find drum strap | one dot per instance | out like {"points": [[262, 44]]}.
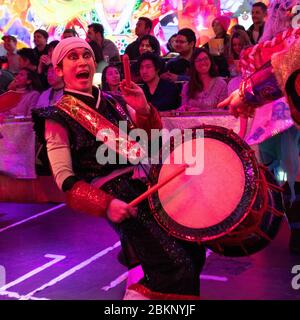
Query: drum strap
{"points": [[100, 127]]}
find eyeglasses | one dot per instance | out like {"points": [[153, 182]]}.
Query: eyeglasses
{"points": [[181, 41]]}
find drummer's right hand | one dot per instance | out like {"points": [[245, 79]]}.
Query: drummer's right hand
{"points": [[119, 210]]}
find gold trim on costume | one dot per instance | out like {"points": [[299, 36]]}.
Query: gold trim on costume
{"points": [[100, 127]]}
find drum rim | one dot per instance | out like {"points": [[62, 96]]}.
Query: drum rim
{"points": [[251, 169]]}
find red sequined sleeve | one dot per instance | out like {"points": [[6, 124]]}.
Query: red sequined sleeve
{"points": [[152, 121], [85, 198]]}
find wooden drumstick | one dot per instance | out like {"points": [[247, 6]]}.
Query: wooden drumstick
{"points": [[153, 189], [126, 67]]}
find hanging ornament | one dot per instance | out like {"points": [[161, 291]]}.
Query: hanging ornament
{"points": [[245, 16]]}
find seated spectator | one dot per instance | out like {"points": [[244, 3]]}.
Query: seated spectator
{"points": [[171, 46], [6, 78], [28, 60], [177, 68], [109, 49], [68, 33], [111, 79], [162, 94], [28, 83], [219, 46], [10, 45], [40, 38], [259, 14], [237, 27], [205, 89], [147, 43], [101, 63], [50, 96], [44, 63], [143, 27], [238, 41], [45, 59]]}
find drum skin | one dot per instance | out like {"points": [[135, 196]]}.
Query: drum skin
{"points": [[229, 206]]}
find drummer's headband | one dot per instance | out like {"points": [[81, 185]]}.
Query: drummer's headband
{"points": [[66, 45]]}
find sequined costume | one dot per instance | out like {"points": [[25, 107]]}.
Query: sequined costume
{"points": [[281, 76], [171, 267], [278, 76]]}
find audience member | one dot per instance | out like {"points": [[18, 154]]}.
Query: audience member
{"points": [[259, 14], [177, 68], [109, 49], [40, 38], [238, 41], [205, 89], [100, 62], [28, 83], [111, 79], [219, 46], [162, 94], [10, 45], [68, 33], [50, 96], [143, 27]]}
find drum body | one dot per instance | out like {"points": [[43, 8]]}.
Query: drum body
{"points": [[233, 205]]}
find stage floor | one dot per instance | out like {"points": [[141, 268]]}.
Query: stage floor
{"points": [[49, 252]]}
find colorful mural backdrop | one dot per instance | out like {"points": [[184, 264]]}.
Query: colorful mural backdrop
{"points": [[21, 18]]}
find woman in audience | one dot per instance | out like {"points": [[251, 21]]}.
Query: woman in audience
{"points": [[28, 83], [205, 89], [238, 41], [149, 43], [221, 41], [171, 47], [111, 79]]}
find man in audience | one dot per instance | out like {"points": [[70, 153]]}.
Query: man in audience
{"points": [[69, 33], [259, 13], [143, 27], [154, 88], [40, 38], [109, 49], [177, 68], [10, 45]]}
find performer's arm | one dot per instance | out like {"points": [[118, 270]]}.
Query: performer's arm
{"points": [[81, 196], [259, 88]]}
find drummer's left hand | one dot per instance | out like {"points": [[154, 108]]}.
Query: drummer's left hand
{"points": [[135, 97]]}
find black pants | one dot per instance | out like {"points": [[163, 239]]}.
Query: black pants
{"points": [[170, 265]]}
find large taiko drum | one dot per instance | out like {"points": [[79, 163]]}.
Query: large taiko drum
{"points": [[233, 206]]}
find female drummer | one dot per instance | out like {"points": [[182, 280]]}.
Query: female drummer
{"points": [[171, 267]]}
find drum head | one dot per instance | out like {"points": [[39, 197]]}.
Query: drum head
{"points": [[205, 206]]}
